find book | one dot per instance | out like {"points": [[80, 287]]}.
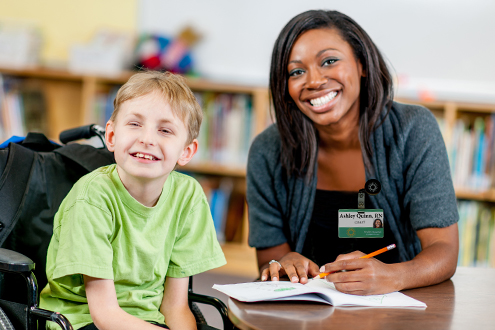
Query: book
{"points": [[227, 128], [491, 241], [483, 236], [235, 214], [476, 234], [316, 290], [33, 103]]}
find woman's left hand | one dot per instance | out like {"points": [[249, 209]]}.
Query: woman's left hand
{"points": [[353, 275]]}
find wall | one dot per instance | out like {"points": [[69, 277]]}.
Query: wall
{"points": [[445, 47], [64, 22]]}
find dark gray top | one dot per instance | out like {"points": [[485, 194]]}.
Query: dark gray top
{"points": [[409, 159]]}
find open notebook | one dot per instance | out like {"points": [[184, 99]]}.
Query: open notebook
{"points": [[317, 290]]}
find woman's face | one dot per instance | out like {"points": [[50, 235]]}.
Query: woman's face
{"points": [[324, 76]]}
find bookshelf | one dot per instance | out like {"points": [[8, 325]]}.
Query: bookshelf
{"points": [[449, 113], [469, 133], [70, 101]]}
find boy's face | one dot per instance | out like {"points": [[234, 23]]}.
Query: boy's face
{"points": [[148, 140]]}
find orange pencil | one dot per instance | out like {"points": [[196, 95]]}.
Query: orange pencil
{"points": [[371, 255]]}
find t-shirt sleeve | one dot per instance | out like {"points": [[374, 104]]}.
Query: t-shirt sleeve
{"points": [[84, 246], [264, 192], [196, 247], [429, 191]]}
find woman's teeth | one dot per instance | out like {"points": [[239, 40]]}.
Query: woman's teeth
{"points": [[323, 100]]}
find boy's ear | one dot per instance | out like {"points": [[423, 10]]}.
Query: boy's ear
{"points": [[110, 135], [188, 153]]}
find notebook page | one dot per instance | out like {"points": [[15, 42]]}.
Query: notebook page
{"points": [[260, 291], [394, 299]]}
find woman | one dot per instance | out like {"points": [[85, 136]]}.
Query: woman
{"points": [[336, 128], [377, 223]]}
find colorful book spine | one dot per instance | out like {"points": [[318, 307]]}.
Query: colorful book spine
{"points": [[12, 110], [226, 131], [225, 208], [476, 234], [103, 106], [471, 154]]}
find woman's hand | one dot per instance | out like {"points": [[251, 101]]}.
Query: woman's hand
{"points": [[353, 275], [435, 263], [294, 265]]}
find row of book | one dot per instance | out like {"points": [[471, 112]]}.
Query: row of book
{"points": [[471, 150], [227, 131], [476, 234], [103, 106], [226, 205], [22, 107]]}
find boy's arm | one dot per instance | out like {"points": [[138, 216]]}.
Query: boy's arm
{"points": [[175, 305], [105, 310]]}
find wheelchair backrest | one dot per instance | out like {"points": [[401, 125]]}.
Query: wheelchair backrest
{"points": [[35, 176]]}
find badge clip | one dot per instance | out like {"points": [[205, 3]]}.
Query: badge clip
{"points": [[372, 187]]}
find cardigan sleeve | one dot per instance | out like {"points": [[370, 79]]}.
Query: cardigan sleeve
{"points": [[428, 189], [263, 193]]}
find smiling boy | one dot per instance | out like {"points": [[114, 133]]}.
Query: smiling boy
{"points": [[127, 236]]}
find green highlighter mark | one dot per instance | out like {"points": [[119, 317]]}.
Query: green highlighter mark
{"points": [[284, 289]]}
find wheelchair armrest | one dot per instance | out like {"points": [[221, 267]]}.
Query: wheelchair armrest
{"points": [[11, 261], [52, 316], [215, 302]]}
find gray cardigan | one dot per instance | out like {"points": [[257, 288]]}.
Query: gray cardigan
{"points": [[409, 159]]}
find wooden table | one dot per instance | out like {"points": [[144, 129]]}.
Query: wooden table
{"points": [[466, 302]]}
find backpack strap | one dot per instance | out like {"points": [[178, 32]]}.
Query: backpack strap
{"points": [[13, 187], [38, 142], [89, 157]]}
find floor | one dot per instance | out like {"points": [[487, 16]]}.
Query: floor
{"points": [[202, 283]]}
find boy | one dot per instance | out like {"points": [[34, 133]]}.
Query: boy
{"points": [[128, 235]]}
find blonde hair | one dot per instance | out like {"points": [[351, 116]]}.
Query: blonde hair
{"points": [[174, 90]]}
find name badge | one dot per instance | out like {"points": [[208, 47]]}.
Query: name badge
{"points": [[361, 223]]}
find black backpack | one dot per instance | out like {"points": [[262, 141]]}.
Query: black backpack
{"points": [[35, 176]]}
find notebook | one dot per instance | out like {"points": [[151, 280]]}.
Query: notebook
{"points": [[316, 290]]}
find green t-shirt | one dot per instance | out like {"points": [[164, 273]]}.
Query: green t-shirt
{"points": [[101, 231]]}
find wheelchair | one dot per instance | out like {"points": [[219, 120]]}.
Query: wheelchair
{"points": [[35, 176]]}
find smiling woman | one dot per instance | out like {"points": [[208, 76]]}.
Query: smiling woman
{"points": [[337, 127], [311, 63]]}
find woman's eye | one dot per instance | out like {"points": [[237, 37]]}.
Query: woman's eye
{"points": [[133, 124], [296, 72], [329, 61], [165, 130]]}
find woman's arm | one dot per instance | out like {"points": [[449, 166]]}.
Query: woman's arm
{"points": [[435, 263], [175, 305], [428, 196], [105, 310], [293, 264]]}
